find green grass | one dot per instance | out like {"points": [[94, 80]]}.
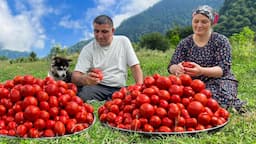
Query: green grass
{"points": [[239, 130]]}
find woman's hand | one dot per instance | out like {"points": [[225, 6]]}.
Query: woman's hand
{"points": [[193, 71], [177, 69]]}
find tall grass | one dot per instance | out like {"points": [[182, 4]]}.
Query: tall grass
{"points": [[241, 129]]}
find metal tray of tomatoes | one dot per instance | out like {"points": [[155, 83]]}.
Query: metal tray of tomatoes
{"points": [[209, 130], [56, 137]]}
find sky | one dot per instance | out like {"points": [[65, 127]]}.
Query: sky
{"points": [[38, 25]]}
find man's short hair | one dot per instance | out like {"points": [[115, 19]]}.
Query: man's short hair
{"points": [[103, 19]]}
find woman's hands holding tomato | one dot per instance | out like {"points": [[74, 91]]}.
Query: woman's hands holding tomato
{"points": [[191, 68]]}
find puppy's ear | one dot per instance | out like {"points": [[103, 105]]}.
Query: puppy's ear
{"points": [[69, 60]]}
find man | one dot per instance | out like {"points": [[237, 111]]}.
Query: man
{"points": [[112, 55]]}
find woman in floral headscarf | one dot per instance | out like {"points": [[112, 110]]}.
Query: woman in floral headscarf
{"points": [[210, 54]]}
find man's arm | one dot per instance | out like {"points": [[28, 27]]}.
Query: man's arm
{"points": [[137, 73], [81, 79]]}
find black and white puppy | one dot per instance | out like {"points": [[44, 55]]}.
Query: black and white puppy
{"points": [[59, 69]]}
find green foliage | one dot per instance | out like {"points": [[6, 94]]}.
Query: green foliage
{"points": [[178, 33], [3, 58], [56, 50], [236, 14], [245, 41], [154, 41]]}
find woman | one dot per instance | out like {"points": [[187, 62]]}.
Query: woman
{"points": [[210, 55]]}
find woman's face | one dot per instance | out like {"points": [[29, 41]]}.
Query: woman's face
{"points": [[103, 34], [201, 25]]}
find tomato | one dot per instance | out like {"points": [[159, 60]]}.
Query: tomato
{"points": [[53, 101], [191, 122], [77, 99], [59, 128], [155, 121], [149, 81], [141, 99], [19, 117], [201, 98], [135, 125], [181, 121], [186, 80], [148, 128], [53, 111], [12, 125], [175, 98], [156, 76], [18, 79], [199, 127], [164, 129], [197, 85], [167, 122], [188, 91], [42, 96], [149, 91], [52, 89], [27, 90], [44, 115], [15, 95], [212, 104], [81, 117], [21, 130], [163, 103], [111, 116], [28, 124], [161, 112], [44, 105], [143, 121], [178, 129], [63, 99], [4, 92], [194, 108], [222, 113], [176, 89], [49, 124], [208, 110], [31, 112], [9, 84], [48, 133], [185, 101], [163, 82], [175, 80], [147, 110], [185, 113], [207, 92], [164, 94], [98, 72], [204, 118], [117, 94], [154, 99], [33, 133], [72, 108], [28, 79], [188, 64], [2, 110], [173, 111]]}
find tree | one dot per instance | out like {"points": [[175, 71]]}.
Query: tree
{"points": [[154, 41], [32, 56]]}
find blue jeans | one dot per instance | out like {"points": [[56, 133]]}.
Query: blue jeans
{"points": [[96, 92]]}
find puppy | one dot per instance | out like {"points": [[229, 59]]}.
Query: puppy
{"points": [[59, 69]]}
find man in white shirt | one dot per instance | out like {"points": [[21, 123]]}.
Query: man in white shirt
{"points": [[109, 53]]}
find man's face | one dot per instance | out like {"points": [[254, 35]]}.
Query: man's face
{"points": [[103, 34]]}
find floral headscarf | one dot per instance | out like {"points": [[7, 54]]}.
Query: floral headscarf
{"points": [[208, 12]]}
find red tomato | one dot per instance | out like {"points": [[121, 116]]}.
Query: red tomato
{"points": [[188, 64], [173, 111], [27, 90], [44, 115], [212, 104], [186, 80], [154, 99], [50, 124], [111, 117], [195, 108], [161, 112], [163, 83], [156, 76], [147, 110], [4, 92], [18, 79], [185, 101], [175, 80], [135, 125], [59, 128], [164, 94], [155, 121], [164, 129], [148, 128], [53, 101], [9, 84], [185, 113], [72, 108], [52, 89], [117, 94], [64, 99], [42, 96], [33, 133], [201, 98], [98, 72], [163, 103], [31, 112], [141, 99], [19, 117], [176, 89], [21, 130], [197, 85], [44, 105], [149, 81], [149, 91], [28, 79], [204, 118], [29, 100], [175, 98], [81, 117], [2, 110], [181, 121], [48, 133], [178, 129], [221, 112], [167, 122], [207, 92], [191, 122], [188, 91], [15, 95]]}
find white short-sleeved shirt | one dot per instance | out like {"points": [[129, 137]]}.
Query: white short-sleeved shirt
{"points": [[113, 60]]}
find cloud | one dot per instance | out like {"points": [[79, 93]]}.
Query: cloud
{"points": [[22, 31], [119, 10], [66, 22]]}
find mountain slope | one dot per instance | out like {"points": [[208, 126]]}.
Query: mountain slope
{"points": [[13, 54], [162, 17]]}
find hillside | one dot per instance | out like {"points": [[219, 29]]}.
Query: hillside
{"points": [[12, 54], [162, 17]]}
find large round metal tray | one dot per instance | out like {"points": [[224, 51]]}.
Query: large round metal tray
{"points": [[209, 130], [56, 137]]}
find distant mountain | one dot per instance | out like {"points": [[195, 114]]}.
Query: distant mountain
{"points": [[162, 17], [12, 54], [78, 46]]}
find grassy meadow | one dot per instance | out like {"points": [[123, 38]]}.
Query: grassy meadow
{"points": [[241, 129]]}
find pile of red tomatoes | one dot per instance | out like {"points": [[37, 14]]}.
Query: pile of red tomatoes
{"points": [[164, 104], [33, 107]]}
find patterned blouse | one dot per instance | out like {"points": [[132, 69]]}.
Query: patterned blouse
{"points": [[217, 52]]}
